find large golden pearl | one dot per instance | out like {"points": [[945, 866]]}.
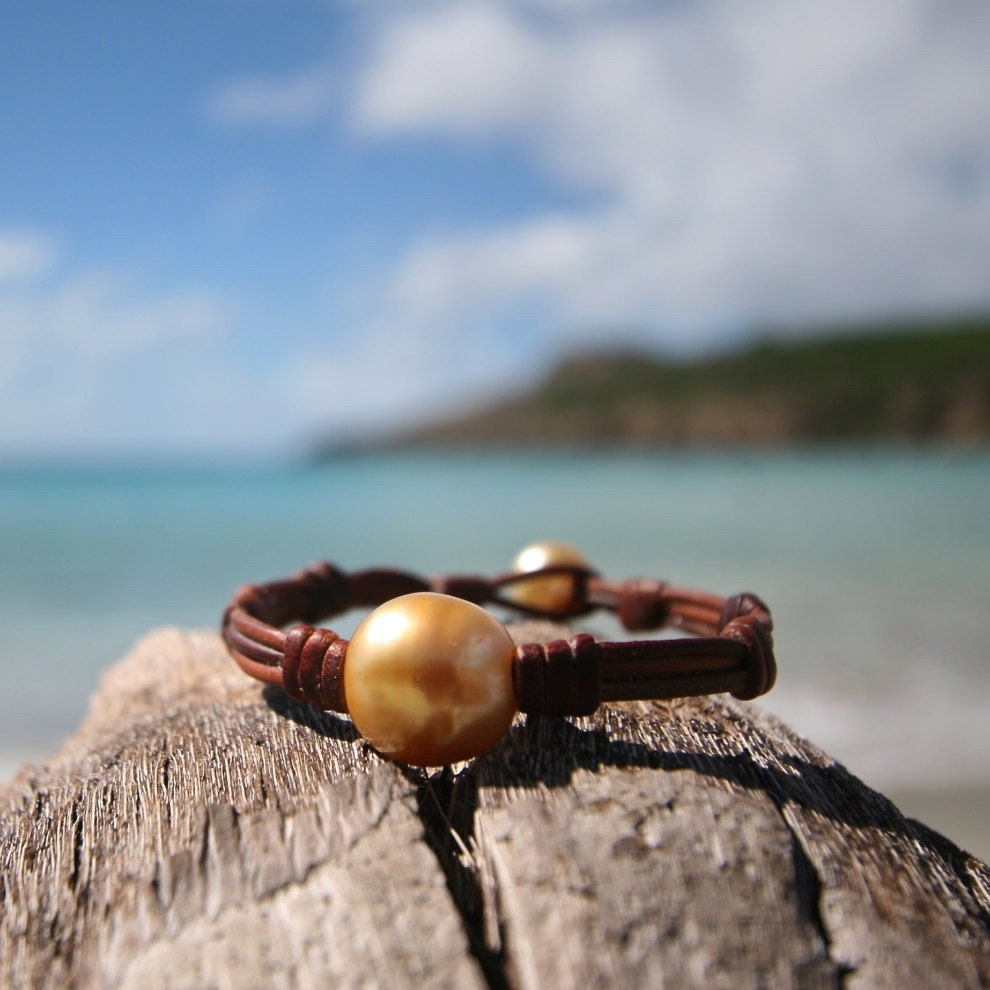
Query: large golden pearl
{"points": [[545, 594], [428, 679]]}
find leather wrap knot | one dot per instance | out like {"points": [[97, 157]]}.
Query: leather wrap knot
{"points": [[561, 677], [323, 590], [313, 668]]}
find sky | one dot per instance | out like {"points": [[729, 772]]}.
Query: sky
{"points": [[237, 225]]}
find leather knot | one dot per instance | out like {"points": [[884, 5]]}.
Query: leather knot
{"points": [[641, 605], [313, 668], [745, 603], [558, 678]]}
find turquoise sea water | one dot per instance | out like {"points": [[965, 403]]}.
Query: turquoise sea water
{"points": [[876, 566]]}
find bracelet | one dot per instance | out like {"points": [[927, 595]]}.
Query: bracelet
{"points": [[430, 677]]}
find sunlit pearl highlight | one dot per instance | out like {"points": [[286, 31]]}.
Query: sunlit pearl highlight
{"points": [[547, 594], [428, 679]]}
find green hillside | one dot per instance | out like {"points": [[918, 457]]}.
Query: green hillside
{"points": [[924, 382]]}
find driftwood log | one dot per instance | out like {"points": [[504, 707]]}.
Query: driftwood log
{"points": [[203, 831]]}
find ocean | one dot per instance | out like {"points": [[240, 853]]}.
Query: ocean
{"points": [[876, 565]]}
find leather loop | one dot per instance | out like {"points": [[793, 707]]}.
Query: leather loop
{"points": [[761, 666], [471, 589]]}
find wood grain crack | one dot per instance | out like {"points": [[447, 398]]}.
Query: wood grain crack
{"points": [[447, 803], [810, 888]]}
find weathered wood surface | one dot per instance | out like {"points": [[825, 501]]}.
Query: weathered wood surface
{"points": [[203, 831]]}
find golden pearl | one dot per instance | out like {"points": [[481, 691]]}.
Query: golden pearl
{"points": [[545, 594], [428, 679]]}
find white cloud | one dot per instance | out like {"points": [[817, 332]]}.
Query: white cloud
{"points": [[726, 165], [772, 162], [96, 316], [463, 69], [25, 254], [292, 101], [394, 372], [81, 353], [461, 273]]}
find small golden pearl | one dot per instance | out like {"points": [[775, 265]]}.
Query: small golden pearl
{"points": [[428, 679], [547, 594]]}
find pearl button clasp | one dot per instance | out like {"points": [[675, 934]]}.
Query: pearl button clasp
{"points": [[552, 592]]}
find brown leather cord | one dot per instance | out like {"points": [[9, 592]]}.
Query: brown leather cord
{"points": [[732, 648]]}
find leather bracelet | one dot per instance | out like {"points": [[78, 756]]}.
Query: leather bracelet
{"points": [[430, 677]]}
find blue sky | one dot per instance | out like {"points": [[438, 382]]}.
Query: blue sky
{"points": [[227, 225]]}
